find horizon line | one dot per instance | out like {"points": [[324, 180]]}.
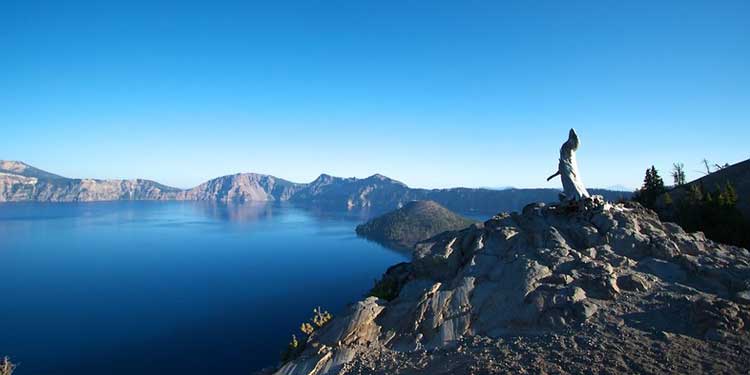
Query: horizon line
{"points": [[501, 188]]}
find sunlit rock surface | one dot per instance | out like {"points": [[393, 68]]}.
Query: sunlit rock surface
{"points": [[582, 287]]}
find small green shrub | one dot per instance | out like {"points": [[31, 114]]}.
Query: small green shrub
{"points": [[320, 317], [295, 347]]}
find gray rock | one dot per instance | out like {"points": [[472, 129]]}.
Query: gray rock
{"points": [[662, 269], [743, 297], [585, 309], [633, 282], [522, 275], [715, 334]]}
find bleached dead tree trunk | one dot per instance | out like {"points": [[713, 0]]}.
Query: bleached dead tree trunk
{"points": [[573, 188]]}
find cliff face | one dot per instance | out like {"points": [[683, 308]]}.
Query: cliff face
{"points": [[591, 287], [376, 191], [14, 188], [22, 182], [242, 187]]}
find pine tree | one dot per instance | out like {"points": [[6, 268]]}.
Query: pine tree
{"points": [[695, 194], [730, 194], [653, 187], [714, 212], [658, 182]]}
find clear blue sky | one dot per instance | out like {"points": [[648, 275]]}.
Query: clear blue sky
{"points": [[432, 93]]}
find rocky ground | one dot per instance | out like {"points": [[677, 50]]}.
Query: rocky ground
{"points": [[583, 288]]}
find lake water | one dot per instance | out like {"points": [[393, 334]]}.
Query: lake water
{"points": [[171, 287]]}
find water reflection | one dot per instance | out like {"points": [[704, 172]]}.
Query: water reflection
{"points": [[321, 211], [237, 212], [256, 211], [97, 286]]}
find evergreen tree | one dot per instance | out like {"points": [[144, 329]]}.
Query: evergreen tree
{"points": [[730, 194], [695, 194], [714, 212], [653, 187], [658, 182]]}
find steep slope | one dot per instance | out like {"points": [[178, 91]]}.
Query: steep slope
{"points": [[22, 169], [737, 174], [15, 188], [416, 221], [242, 187], [587, 288]]}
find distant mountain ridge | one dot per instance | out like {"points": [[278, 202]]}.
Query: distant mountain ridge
{"points": [[242, 187], [21, 182]]}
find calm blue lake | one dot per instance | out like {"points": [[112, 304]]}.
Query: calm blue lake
{"points": [[171, 287]]}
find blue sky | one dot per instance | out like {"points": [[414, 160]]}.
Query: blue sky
{"points": [[432, 93]]}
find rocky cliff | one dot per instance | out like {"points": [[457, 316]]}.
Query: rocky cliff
{"points": [[14, 188], [242, 187], [376, 191], [22, 182], [585, 288]]}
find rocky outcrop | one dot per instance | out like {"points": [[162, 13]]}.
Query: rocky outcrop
{"points": [[589, 287], [416, 221]]}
